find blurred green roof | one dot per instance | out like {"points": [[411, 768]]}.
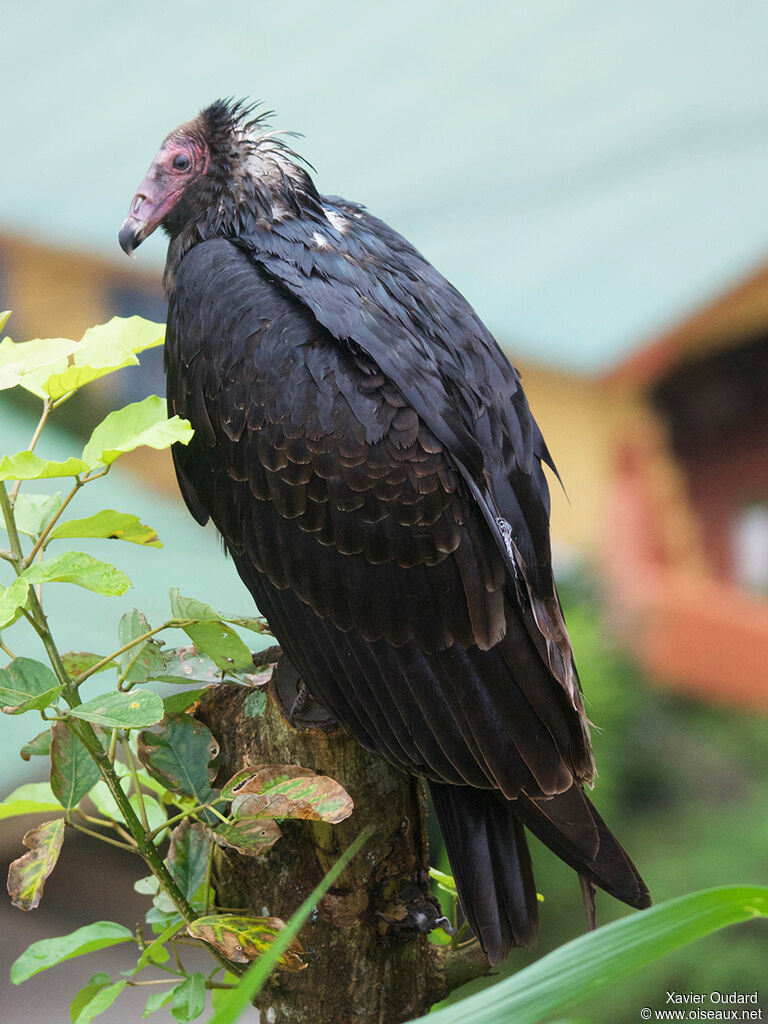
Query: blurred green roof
{"points": [[585, 173]]}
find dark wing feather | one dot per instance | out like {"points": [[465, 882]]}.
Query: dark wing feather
{"points": [[351, 508], [370, 288], [369, 458]]}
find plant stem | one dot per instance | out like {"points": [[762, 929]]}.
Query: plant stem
{"points": [[145, 845], [40, 542], [126, 647], [208, 871], [103, 838], [16, 554], [136, 786], [87, 736], [182, 815], [112, 746], [155, 981], [47, 405]]}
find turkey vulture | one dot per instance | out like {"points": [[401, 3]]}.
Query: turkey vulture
{"points": [[368, 455]]}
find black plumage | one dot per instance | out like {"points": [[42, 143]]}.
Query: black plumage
{"points": [[368, 455]]}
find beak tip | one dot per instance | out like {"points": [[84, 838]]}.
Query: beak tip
{"points": [[130, 236]]}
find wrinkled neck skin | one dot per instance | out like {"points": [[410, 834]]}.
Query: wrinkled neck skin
{"points": [[261, 187]]}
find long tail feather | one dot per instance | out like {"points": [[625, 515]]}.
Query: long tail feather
{"points": [[491, 866], [571, 827]]}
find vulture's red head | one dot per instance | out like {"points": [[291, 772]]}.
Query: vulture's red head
{"points": [[222, 162]]}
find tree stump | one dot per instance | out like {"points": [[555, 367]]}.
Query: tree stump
{"points": [[370, 958]]}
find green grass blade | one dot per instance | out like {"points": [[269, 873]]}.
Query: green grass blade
{"points": [[252, 981], [596, 960]]}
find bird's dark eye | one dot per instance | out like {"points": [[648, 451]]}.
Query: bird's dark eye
{"points": [[181, 162]]}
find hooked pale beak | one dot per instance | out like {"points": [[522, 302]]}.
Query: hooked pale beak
{"points": [[134, 228], [148, 207]]}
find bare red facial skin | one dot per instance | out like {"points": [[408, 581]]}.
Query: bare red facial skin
{"points": [[179, 161]]}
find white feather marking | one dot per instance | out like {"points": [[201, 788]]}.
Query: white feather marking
{"points": [[506, 535], [336, 221], [320, 240]]}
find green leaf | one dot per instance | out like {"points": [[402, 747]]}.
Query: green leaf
{"points": [[108, 524], [159, 999], [250, 836], [147, 782], [27, 685], [289, 791], [86, 994], [178, 755], [255, 703], [77, 662], [38, 746], [178, 702], [198, 611], [188, 856], [222, 645], [32, 512], [115, 710], [29, 362], [28, 874], [4, 318], [160, 920], [254, 623], [58, 366], [27, 466], [189, 999], [210, 634], [147, 886], [129, 333], [32, 798], [156, 816], [146, 658], [82, 570], [590, 963], [104, 802], [444, 882], [73, 771], [187, 608], [101, 1001], [12, 600], [187, 665], [219, 994], [155, 952], [141, 423], [48, 952], [102, 350], [233, 1004]]}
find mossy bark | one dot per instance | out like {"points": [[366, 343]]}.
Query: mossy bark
{"points": [[370, 958]]}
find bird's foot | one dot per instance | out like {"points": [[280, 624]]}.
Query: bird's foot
{"points": [[413, 913], [297, 705]]}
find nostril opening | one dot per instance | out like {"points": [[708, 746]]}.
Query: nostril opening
{"points": [[137, 203]]}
